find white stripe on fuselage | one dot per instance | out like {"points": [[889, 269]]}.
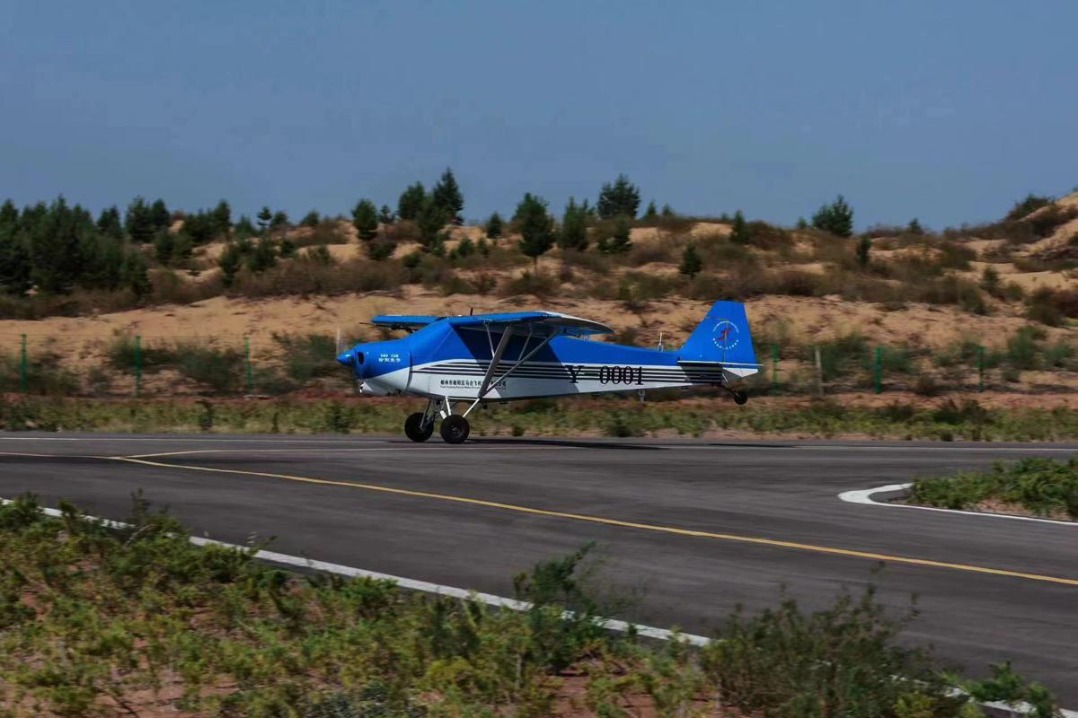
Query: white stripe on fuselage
{"points": [[461, 378]]}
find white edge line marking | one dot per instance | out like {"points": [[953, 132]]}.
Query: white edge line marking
{"points": [[326, 451], [864, 496], [611, 624]]}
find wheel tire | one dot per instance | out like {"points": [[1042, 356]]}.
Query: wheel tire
{"points": [[413, 428], [455, 429], [740, 398]]}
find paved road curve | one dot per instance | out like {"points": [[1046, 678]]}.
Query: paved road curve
{"points": [[695, 527]]}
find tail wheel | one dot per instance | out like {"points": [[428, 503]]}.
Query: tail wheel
{"points": [[455, 429], [740, 398], [414, 429]]}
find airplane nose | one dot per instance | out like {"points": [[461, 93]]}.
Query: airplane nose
{"points": [[347, 358]]}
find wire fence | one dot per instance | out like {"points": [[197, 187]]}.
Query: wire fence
{"points": [[156, 366]]}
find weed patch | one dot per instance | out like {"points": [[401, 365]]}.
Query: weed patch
{"points": [[1044, 487], [102, 620]]}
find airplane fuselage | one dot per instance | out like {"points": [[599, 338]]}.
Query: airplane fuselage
{"points": [[563, 366]]}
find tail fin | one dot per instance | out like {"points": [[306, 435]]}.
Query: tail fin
{"points": [[723, 337]]}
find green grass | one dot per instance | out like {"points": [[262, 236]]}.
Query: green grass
{"points": [[1044, 487], [109, 621], [619, 417]]}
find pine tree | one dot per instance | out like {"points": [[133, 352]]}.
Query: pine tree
{"points": [[536, 227], [431, 221], [164, 246], [864, 247], [651, 212], [495, 226], [265, 216], [287, 249], [740, 232], [9, 213], [574, 227], [279, 221], [110, 224], [365, 220], [836, 218], [222, 219], [15, 264], [201, 227], [620, 199], [691, 264], [311, 219], [446, 194], [244, 228], [385, 215], [620, 240], [668, 212], [136, 274], [102, 262], [56, 240], [411, 201], [138, 222], [160, 216], [229, 263], [914, 227], [263, 257]]}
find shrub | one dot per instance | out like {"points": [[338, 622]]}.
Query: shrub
{"points": [[43, 375], [308, 355], [841, 661], [541, 284], [1022, 349], [1027, 206]]}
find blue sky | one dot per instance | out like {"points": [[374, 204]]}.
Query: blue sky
{"points": [[949, 111]]}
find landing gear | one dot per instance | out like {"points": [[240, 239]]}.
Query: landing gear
{"points": [[416, 429], [740, 397], [455, 429]]}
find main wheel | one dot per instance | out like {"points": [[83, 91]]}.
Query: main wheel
{"points": [[455, 429], [740, 398], [414, 430]]}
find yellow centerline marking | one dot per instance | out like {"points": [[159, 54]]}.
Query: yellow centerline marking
{"points": [[656, 528]]}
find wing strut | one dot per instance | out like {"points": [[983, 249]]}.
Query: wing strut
{"points": [[488, 381], [503, 344]]}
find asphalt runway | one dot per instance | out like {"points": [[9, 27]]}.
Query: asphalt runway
{"points": [[690, 529]]}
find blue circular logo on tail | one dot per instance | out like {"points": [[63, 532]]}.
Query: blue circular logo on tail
{"points": [[725, 334]]}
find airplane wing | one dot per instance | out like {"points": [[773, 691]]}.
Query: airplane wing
{"points": [[403, 321], [540, 324]]}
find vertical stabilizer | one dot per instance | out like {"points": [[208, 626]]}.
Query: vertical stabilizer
{"points": [[723, 337]]}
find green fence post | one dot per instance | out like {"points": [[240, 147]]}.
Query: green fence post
{"points": [[980, 368], [138, 365], [250, 373], [774, 365], [879, 370], [22, 367]]}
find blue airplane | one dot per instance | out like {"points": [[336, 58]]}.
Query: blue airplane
{"points": [[486, 358]]}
